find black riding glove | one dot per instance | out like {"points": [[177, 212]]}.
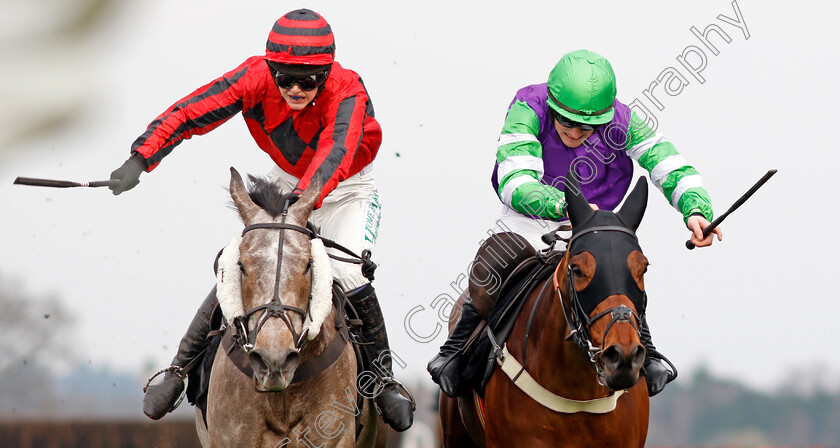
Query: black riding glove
{"points": [[291, 197], [128, 174]]}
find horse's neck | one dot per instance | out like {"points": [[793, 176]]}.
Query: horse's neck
{"points": [[558, 365]]}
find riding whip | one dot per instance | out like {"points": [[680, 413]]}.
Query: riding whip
{"points": [[64, 183], [689, 245]]}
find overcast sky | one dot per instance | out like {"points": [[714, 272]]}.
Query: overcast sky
{"points": [[134, 268]]}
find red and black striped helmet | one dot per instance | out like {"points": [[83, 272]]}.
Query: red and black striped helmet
{"points": [[301, 36]]}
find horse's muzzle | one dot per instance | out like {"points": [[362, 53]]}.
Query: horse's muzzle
{"points": [[621, 367], [273, 369]]}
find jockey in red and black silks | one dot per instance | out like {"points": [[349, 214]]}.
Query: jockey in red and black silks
{"points": [[336, 134], [314, 118]]}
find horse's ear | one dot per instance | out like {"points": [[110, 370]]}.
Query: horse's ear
{"points": [[577, 207], [246, 207], [633, 210], [303, 207]]}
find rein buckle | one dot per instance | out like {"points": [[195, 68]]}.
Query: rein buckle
{"points": [[240, 333], [301, 340]]}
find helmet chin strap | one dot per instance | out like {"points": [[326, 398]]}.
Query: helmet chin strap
{"points": [[321, 87]]}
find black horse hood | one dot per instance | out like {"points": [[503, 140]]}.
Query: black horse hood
{"points": [[611, 249], [610, 238]]}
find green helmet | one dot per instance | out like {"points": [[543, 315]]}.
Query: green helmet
{"points": [[581, 87]]}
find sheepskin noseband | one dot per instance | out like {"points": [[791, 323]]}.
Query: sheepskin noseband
{"points": [[322, 279], [229, 281], [229, 286]]}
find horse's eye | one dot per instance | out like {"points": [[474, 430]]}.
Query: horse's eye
{"points": [[576, 270], [242, 268], [308, 266]]}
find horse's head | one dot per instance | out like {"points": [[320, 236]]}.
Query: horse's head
{"points": [[275, 264], [603, 273]]}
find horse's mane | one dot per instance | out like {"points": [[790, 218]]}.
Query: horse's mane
{"points": [[266, 194]]}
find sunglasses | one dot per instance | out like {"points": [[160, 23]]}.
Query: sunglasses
{"points": [[565, 122], [305, 82]]}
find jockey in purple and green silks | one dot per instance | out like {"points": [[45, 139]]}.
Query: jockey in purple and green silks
{"points": [[574, 123], [536, 150]]}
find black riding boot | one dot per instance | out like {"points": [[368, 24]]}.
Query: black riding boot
{"points": [[446, 367], [656, 374], [160, 398], [395, 409]]}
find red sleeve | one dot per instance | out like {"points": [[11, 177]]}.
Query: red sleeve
{"points": [[337, 144], [198, 113]]}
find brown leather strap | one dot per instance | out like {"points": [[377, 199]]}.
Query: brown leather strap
{"points": [[322, 362], [236, 354], [193, 362], [311, 369]]}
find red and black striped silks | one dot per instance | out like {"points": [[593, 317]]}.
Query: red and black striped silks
{"points": [[335, 136], [301, 37]]}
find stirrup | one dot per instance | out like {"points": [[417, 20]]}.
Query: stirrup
{"points": [[389, 381], [180, 373]]}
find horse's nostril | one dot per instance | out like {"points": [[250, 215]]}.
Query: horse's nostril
{"points": [[257, 362], [613, 355], [266, 364], [637, 356], [291, 360]]}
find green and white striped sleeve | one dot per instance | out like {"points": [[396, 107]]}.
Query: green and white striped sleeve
{"points": [[519, 156], [669, 171]]}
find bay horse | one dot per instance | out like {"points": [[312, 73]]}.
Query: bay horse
{"points": [[278, 271], [579, 331]]}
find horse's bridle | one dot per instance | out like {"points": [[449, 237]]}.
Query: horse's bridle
{"points": [[275, 307], [579, 322]]}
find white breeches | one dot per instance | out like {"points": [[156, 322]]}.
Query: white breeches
{"points": [[531, 229], [349, 216]]}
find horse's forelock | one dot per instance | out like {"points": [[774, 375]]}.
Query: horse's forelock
{"points": [[266, 194]]}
